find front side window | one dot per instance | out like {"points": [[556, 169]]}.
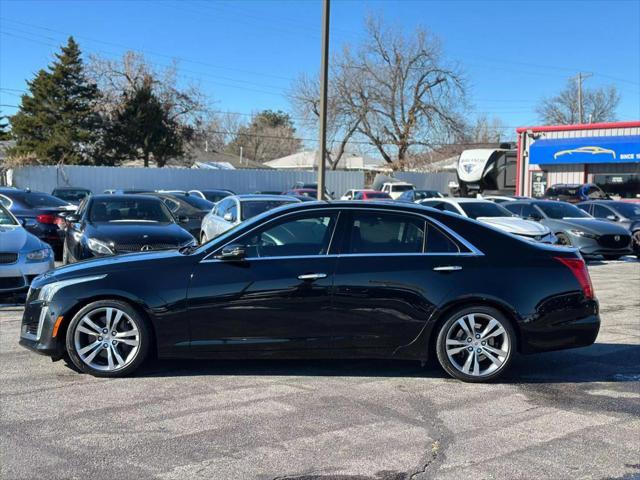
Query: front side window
{"points": [[385, 233], [601, 212], [307, 235]]}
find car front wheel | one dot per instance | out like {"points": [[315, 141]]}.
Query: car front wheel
{"points": [[476, 344], [108, 338]]}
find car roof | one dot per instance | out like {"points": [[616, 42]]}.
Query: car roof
{"points": [[260, 196], [458, 200], [123, 196]]}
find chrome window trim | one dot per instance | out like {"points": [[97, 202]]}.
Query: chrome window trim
{"points": [[473, 251]]}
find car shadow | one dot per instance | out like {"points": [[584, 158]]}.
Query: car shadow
{"points": [[601, 362]]}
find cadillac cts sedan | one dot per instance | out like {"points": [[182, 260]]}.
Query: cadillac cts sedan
{"points": [[322, 280]]}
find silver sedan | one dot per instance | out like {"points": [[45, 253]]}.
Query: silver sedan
{"points": [[22, 255]]}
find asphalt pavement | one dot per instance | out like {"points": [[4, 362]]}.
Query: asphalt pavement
{"points": [[573, 414]]}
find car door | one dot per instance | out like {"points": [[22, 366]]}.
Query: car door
{"points": [[393, 269], [277, 299]]}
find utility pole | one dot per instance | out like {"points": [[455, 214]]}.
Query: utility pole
{"points": [[324, 80], [580, 77]]}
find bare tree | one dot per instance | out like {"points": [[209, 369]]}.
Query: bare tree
{"points": [[485, 130], [599, 105], [401, 91], [341, 123]]}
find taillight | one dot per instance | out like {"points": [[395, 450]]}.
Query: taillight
{"points": [[579, 270], [46, 218]]}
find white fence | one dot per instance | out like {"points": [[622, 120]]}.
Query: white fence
{"points": [[98, 179]]}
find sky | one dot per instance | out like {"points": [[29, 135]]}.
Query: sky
{"points": [[245, 54]]}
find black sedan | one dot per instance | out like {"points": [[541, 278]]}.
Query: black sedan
{"points": [[322, 280], [113, 224], [187, 208], [38, 212]]}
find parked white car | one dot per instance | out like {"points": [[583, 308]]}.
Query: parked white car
{"points": [[235, 209], [23, 256], [350, 194], [395, 189], [495, 215]]}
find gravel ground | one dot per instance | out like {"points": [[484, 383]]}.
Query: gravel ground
{"points": [[571, 414]]}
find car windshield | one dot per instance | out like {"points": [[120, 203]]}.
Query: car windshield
{"points": [[251, 208], [401, 188], [484, 209], [40, 200], [559, 210], [6, 218], [197, 202], [129, 210], [628, 210], [71, 195]]}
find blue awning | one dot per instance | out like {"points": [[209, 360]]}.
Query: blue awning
{"points": [[621, 149]]}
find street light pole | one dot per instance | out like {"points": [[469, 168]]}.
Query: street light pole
{"points": [[580, 77], [324, 79]]}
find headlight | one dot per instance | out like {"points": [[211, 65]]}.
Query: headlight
{"points": [[39, 255], [580, 233], [48, 291], [98, 246]]}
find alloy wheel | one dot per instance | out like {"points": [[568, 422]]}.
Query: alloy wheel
{"points": [[477, 344], [107, 339]]}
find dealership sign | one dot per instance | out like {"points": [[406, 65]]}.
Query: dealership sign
{"points": [[621, 149]]}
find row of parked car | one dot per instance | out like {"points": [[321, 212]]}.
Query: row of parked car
{"points": [[74, 225]]}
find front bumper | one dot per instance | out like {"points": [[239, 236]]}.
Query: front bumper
{"points": [[36, 331], [16, 277], [591, 246]]}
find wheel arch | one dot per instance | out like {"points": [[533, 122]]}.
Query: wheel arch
{"points": [[447, 309]]}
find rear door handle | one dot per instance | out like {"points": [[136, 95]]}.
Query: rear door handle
{"points": [[312, 276], [447, 268]]}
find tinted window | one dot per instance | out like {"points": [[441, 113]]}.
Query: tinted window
{"points": [[171, 204], [214, 196], [5, 217], [528, 211], [601, 212], [309, 235], [584, 207], [385, 233], [251, 208], [628, 210], [129, 210], [378, 195], [438, 241], [559, 210], [484, 209], [420, 194], [4, 201], [42, 200], [71, 195]]}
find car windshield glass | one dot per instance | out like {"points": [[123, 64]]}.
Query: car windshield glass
{"points": [[71, 195], [482, 209], [401, 188], [561, 210], [215, 196], [197, 202], [129, 210], [251, 208], [39, 200], [628, 210], [6, 218]]}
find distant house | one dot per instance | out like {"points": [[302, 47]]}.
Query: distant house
{"points": [[223, 161], [308, 160]]}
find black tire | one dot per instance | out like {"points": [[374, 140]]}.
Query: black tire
{"points": [[612, 257], [563, 240], [144, 339], [479, 311]]}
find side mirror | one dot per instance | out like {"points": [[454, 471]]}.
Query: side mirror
{"points": [[232, 252], [228, 217], [613, 218]]}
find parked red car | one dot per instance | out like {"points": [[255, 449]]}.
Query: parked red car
{"points": [[371, 195]]}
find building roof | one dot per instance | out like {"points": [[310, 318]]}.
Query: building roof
{"points": [[224, 161], [308, 160]]}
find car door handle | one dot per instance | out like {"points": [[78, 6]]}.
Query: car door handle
{"points": [[312, 276], [447, 268]]}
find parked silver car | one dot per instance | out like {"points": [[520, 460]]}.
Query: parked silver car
{"points": [[235, 209], [22, 255]]}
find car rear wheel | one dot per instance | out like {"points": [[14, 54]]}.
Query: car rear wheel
{"points": [[108, 338], [476, 344], [563, 240]]}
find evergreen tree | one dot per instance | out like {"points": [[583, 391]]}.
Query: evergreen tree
{"points": [[144, 129], [5, 132], [57, 120]]}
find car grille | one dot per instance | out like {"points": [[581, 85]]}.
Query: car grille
{"points": [[6, 258], [142, 247], [31, 328], [7, 283], [614, 241]]}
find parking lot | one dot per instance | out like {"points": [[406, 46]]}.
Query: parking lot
{"points": [[570, 414]]}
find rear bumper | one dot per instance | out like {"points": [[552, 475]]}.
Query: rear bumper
{"points": [[573, 333]]}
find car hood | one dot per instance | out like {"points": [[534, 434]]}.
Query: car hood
{"points": [[518, 226], [135, 232], [591, 225], [14, 239]]}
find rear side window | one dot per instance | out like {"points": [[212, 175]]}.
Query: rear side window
{"points": [[438, 242], [385, 233]]}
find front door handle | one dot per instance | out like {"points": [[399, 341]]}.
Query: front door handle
{"points": [[447, 268], [312, 276]]}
